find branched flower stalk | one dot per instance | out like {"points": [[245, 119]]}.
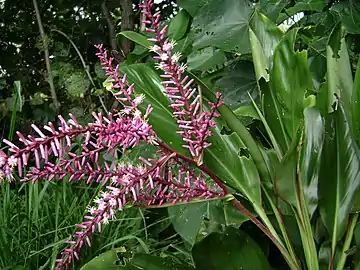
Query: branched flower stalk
{"points": [[53, 153]]}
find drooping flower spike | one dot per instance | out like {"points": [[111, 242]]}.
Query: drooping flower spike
{"points": [[194, 123], [74, 151]]}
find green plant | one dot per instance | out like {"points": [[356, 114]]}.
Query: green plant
{"points": [[293, 170]]}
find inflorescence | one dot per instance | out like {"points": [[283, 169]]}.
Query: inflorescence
{"points": [[166, 180]]}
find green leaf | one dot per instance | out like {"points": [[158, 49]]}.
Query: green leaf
{"points": [[339, 75], [239, 172], [104, 261], [236, 83], [136, 37], [179, 25], [231, 250], [339, 176], [192, 6], [290, 80], [206, 59], [355, 101], [300, 6], [310, 159], [151, 262], [223, 24], [264, 37], [349, 13], [272, 8], [187, 219], [148, 82]]}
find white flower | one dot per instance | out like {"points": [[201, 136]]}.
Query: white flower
{"points": [[155, 48], [182, 67], [161, 66], [105, 218], [91, 210], [12, 161], [176, 57], [137, 114], [169, 45], [139, 99], [2, 161], [164, 57], [112, 202]]}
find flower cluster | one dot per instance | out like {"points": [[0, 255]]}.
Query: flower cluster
{"points": [[73, 151], [194, 123], [6, 166], [153, 184]]}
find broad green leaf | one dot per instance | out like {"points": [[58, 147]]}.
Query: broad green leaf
{"points": [[339, 76], [151, 262], [206, 59], [355, 102], [137, 38], [264, 37], [239, 172], [272, 8], [104, 261], [148, 82], [339, 177], [236, 83], [192, 6], [231, 250], [290, 80], [179, 25], [233, 122], [187, 219], [349, 13], [300, 6], [310, 159], [223, 24]]}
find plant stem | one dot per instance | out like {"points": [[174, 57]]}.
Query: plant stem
{"points": [[271, 233], [347, 242], [47, 57]]}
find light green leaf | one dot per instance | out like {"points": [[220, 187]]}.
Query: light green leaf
{"points": [[290, 80], [339, 177], [148, 82], [264, 37], [310, 159], [137, 38], [179, 25]]}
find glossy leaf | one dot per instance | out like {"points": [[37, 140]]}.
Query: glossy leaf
{"points": [[272, 8], [187, 219], [179, 25], [137, 38], [236, 83], [355, 102], [300, 6], [148, 82], [310, 159], [290, 80], [339, 174], [231, 250], [206, 59], [104, 261], [264, 37], [222, 24], [339, 75], [349, 13]]}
